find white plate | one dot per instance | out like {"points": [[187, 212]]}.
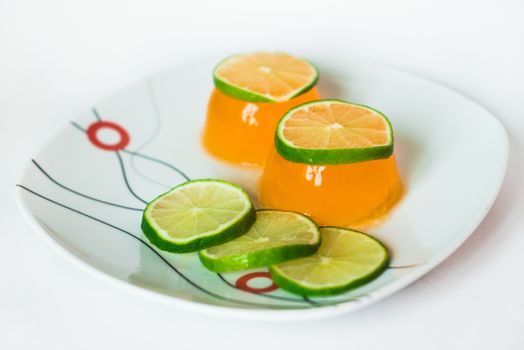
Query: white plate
{"points": [[86, 201]]}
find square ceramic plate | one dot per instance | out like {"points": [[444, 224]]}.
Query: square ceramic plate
{"points": [[84, 191]]}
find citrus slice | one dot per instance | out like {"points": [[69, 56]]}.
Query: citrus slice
{"points": [[264, 77], [346, 259], [333, 132], [276, 236], [198, 214]]}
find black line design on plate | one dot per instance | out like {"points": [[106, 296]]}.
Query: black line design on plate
{"points": [[120, 161], [123, 168], [197, 286], [312, 302], [95, 112], [79, 193], [156, 131], [159, 161], [141, 155], [78, 126]]}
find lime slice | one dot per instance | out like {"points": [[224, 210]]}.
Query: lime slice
{"points": [[276, 236], [346, 259], [264, 77], [198, 214], [333, 132]]}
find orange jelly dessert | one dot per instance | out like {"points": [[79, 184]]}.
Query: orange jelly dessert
{"points": [[252, 92], [242, 132], [348, 195], [333, 161]]}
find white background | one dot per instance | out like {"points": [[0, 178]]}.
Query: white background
{"points": [[59, 57]]}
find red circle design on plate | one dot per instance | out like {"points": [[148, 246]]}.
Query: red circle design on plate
{"points": [[242, 283], [95, 127]]}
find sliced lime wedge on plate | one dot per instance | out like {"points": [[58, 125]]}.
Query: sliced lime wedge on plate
{"points": [[198, 214], [346, 259], [276, 236]]}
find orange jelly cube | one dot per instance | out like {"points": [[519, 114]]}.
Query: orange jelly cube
{"points": [[242, 132], [348, 195]]}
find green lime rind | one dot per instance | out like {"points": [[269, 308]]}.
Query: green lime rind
{"points": [[243, 94], [330, 156], [294, 286], [262, 257], [235, 229]]}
